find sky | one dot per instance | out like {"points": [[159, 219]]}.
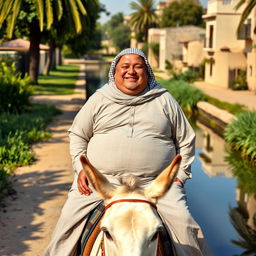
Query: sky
{"points": [[115, 6]]}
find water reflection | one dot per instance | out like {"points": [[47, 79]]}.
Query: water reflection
{"points": [[225, 211], [96, 76]]}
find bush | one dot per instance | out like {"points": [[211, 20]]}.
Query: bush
{"points": [[186, 95], [14, 90], [17, 133], [241, 134], [188, 76], [240, 82]]}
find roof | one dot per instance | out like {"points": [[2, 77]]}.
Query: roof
{"points": [[20, 45]]}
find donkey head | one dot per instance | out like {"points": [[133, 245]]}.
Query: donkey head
{"points": [[131, 228]]}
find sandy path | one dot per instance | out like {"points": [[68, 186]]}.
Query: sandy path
{"points": [[27, 221]]}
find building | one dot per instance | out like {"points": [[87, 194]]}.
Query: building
{"points": [[228, 53], [170, 44], [19, 48]]}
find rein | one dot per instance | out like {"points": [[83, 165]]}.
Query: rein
{"points": [[131, 201]]}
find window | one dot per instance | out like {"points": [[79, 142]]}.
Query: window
{"points": [[211, 29]]}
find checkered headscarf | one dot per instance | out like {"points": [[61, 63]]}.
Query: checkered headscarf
{"points": [[151, 77]]}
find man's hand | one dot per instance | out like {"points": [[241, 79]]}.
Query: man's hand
{"points": [[83, 184]]}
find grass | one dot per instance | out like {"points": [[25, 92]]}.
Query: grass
{"points": [[59, 82], [186, 95], [231, 108]]}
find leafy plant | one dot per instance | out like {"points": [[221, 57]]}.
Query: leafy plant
{"points": [[14, 90], [241, 134], [186, 95], [17, 133], [188, 76], [240, 82]]}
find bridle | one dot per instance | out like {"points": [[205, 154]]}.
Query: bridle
{"points": [[127, 200], [130, 201]]}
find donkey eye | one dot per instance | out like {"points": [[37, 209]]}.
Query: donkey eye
{"points": [[107, 234], [154, 237]]}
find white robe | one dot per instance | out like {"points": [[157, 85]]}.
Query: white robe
{"points": [[139, 135]]}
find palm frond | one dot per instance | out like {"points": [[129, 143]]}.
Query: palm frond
{"points": [[49, 13], [15, 12], [59, 8], [81, 7], [75, 16], [40, 12], [246, 12], [5, 9]]}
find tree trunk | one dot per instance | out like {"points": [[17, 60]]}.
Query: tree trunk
{"points": [[34, 51], [49, 63]]}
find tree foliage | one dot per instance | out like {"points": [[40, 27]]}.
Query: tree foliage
{"points": [[117, 31], [182, 13], [250, 5], [143, 17]]}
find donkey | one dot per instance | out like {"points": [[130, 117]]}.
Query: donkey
{"points": [[131, 223]]}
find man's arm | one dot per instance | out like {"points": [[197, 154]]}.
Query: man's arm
{"points": [[79, 135], [184, 139]]}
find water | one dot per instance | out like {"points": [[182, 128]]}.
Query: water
{"points": [[212, 191]]}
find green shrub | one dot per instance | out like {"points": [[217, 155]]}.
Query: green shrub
{"points": [[240, 82], [241, 134], [14, 90], [168, 65], [186, 95], [188, 76], [17, 133]]}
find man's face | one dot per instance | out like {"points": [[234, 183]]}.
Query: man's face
{"points": [[131, 75]]}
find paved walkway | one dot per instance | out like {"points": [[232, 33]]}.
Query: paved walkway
{"points": [[246, 98], [29, 218]]}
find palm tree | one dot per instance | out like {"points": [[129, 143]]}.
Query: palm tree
{"points": [[144, 17], [52, 10], [250, 6]]}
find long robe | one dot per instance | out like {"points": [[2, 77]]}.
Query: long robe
{"points": [[123, 134]]}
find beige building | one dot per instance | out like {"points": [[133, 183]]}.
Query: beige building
{"points": [[226, 52], [193, 53], [170, 44]]}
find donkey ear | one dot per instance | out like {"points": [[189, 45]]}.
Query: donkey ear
{"points": [[163, 181], [100, 183]]}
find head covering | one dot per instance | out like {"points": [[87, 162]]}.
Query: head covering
{"points": [[111, 91], [151, 76]]}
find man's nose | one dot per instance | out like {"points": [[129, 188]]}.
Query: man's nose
{"points": [[131, 70]]}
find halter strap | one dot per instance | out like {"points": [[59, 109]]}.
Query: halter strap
{"points": [[130, 201]]}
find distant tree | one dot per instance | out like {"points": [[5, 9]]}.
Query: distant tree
{"points": [[250, 5], [121, 37], [38, 10], [182, 13], [143, 17], [118, 32]]}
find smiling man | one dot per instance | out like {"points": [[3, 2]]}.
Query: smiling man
{"points": [[131, 75], [130, 126]]}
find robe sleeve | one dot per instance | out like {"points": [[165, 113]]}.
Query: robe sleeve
{"points": [[80, 133], [183, 136]]}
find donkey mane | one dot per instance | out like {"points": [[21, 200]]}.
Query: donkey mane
{"points": [[129, 183]]}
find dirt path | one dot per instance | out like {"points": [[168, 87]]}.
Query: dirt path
{"points": [[27, 221]]}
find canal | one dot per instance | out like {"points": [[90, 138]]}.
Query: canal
{"points": [[214, 197]]}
